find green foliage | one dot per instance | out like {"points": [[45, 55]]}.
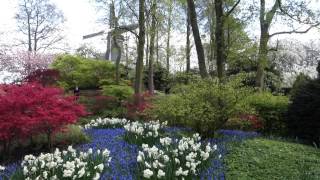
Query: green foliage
{"points": [[260, 159], [171, 107], [161, 77], [121, 92], [82, 72], [238, 124], [271, 109], [304, 112], [204, 106], [73, 134], [184, 78], [301, 80]]}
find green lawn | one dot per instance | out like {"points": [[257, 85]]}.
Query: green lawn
{"points": [[269, 159]]}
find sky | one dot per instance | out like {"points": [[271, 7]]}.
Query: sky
{"points": [[81, 19]]}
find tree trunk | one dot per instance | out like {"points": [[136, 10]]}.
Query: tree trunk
{"points": [[219, 34], [29, 35], [152, 37], [118, 59], [188, 47], [262, 58], [147, 44], [197, 39], [265, 22], [140, 50], [168, 36], [212, 39], [49, 139], [157, 29]]}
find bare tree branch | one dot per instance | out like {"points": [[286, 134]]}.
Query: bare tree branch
{"points": [[233, 8], [295, 31]]}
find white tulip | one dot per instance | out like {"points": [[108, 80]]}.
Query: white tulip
{"points": [[147, 173], [81, 173], [45, 174], [161, 173], [2, 168], [96, 177]]}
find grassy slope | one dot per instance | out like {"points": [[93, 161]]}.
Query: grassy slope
{"points": [[268, 159]]}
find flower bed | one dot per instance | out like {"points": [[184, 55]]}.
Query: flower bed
{"points": [[168, 156]]}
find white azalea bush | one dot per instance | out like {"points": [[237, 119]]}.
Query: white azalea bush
{"points": [[106, 123], [148, 132], [67, 164], [175, 159]]}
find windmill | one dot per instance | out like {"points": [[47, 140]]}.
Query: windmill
{"points": [[114, 36]]}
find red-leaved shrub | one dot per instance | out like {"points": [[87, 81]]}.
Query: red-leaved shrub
{"points": [[254, 120], [29, 109], [46, 77], [137, 105]]}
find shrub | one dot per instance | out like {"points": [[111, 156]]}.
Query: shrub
{"points": [[30, 109], [121, 92], [46, 77], [244, 122], [85, 73], [138, 111], [71, 134], [303, 115], [161, 77], [97, 105], [172, 108], [301, 80], [206, 106], [271, 109]]}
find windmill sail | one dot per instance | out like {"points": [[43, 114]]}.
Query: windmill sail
{"points": [[112, 52], [93, 35]]}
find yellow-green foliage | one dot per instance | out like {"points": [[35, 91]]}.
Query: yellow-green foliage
{"points": [[85, 73], [121, 92], [205, 105]]}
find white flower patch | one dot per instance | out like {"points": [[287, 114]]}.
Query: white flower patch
{"points": [[147, 173], [175, 159], [66, 164], [2, 168], [142, 131], [106, 123]]}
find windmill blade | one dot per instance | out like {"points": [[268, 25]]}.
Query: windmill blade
{"points": [[93, 35], [124, 28]]}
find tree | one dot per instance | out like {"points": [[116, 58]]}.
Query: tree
{"points": [[87, 52], [220, 35], [304, 111], [152, 38], [141, 40], [197, 39], [298, 12], [39, 20], [21, 64], [188, 44], [169, 25]]}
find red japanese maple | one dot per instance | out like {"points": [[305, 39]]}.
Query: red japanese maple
{"points": [[30, 109], [45, 77]]}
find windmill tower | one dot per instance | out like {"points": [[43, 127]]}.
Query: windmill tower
{"points": [[115, 38]]}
